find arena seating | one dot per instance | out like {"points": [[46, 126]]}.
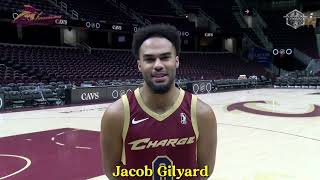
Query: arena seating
{"points": [[69, 64], [216, 66], [47, 64], [298, 82], [10, 74]]}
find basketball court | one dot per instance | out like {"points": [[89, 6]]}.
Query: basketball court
{"points": [[263, 134]]}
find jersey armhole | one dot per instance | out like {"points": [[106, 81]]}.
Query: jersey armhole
{"points": [[194, 115], [126, 121]]}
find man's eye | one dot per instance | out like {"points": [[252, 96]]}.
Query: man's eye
{"points": [[149, 59], [165, 57]]}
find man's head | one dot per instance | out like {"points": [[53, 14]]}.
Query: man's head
{"points": [[157, 48]]}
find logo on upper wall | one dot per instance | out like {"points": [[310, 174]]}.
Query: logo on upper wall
{"points": [[243, 106], [117, 27], [33, 16], [295, 19], [93, 25]]}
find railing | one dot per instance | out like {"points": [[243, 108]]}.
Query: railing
{"points": [[84, 46], [305, 59], [64, 8], [128, 11], [75, 14], [240, 20], [178, 6], [260, 20], [274, 69], [313, 67], [209, 18]]}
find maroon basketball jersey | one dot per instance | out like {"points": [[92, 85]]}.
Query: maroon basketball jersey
{"points": [[153, 139]]}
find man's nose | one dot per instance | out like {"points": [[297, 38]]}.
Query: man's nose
{"points": [[158, 64]]}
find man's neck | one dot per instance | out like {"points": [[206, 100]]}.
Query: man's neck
{"points": [[159, 103]]}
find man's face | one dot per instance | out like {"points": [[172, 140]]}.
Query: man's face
{"points": [[157, 63]]}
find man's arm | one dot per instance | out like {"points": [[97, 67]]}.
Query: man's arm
{"points": [[111, 137], [207, 140]]}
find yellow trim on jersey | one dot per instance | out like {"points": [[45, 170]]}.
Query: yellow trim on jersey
{"points": [[159, 117], [194, 115], [126, 122]]}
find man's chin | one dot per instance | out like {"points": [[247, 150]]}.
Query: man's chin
{"points": [[160, 88]]}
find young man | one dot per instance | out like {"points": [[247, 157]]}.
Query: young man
{"points": [[158, 124]]}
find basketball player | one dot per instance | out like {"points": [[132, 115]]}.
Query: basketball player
{"points": [[158, 124]]}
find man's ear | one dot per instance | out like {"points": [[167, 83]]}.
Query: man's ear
{"points": [[139, 65], [177, 61]]}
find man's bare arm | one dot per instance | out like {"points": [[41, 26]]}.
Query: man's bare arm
{"points": [[111, 137], [207, 141]]}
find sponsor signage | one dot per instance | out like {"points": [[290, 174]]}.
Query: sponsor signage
{"points": [[260, 55], [115, 92], [85, 95], [199, 87]]}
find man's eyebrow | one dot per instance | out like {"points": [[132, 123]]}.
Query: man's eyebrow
{"points": [[148, 55], [152, 55], [166, 54]]}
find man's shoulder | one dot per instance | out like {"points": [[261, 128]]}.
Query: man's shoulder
{"points": [[115, 106], [206, 119], [203, 109], [114, 111]]}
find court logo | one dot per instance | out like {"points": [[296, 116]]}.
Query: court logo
{"points": [[295, 19], [243, 106], [183, 118]]}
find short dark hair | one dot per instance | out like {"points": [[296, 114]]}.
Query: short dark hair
{"points": [[156, 30]]}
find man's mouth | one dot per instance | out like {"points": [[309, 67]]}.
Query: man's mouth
{"points": [[159, 77]]}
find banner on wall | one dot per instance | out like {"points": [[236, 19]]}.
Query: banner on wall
{"points": [[86, 95], [200, 87], [260, 55], [32, 16]]}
